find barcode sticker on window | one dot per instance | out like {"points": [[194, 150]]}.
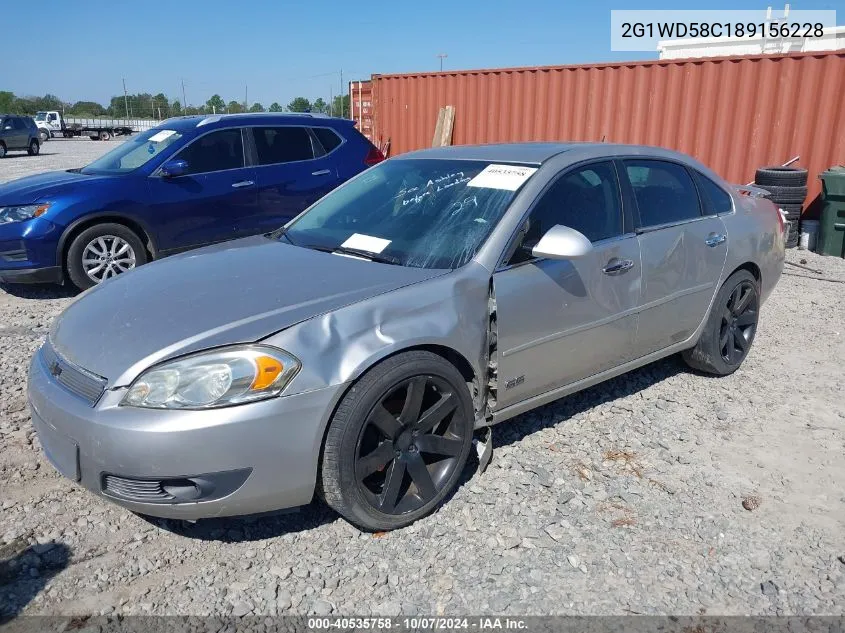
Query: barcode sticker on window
{"points": [[508, 177]]}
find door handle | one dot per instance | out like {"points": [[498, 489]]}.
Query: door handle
{"points": [[714, 239], [322, 172], [242, 183], [617, 266]]}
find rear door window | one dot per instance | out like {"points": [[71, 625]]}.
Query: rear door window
{"points": [[286, 144], [716, 198], [216, 151], [328, 138], [664, 191], [18, 123]]}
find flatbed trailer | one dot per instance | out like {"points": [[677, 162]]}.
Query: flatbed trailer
{"points": [[52, 123]]}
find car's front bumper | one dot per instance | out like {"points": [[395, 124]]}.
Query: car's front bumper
{"points": [[47, 275], [28, 252], [247, 459]]}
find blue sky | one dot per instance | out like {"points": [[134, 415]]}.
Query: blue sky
{"points": [[282, 49]]}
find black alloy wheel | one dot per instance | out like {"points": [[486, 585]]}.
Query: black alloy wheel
{"points": [[410, 445], [739, 323], [398, 441]]}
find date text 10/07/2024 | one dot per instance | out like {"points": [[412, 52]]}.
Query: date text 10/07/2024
{"points": [[418, 623]]}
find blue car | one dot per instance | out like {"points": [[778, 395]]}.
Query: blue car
{"points": [[190, 182]]}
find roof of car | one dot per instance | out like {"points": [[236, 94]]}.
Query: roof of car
{"points": [[538, 153], [247, 118], [535, 153]]}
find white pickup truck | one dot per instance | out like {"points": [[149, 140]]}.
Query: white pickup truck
{"points": [[51, 123]]}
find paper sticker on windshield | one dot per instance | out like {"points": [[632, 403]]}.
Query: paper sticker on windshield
{"points": [[367, 243], [508, 177], [158, 137]]}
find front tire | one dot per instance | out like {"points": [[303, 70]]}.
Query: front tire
{"points": [[101, 252], [730, 328], [44, 135], [398, 442]]}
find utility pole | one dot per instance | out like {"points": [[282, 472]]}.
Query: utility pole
{"points": [[331, 101], [125, 98], [184, 101], [246, 98], [341, 93], [442, 56]]}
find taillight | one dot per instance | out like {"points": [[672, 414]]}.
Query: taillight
{"points": [[374, 156]]}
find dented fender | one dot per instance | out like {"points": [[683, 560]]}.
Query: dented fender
{"points": [[337, 347]]}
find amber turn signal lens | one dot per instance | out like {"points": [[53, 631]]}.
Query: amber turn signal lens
{"points": [[41, 210], [268, 370]]}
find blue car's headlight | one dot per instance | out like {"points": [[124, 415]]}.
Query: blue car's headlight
{"points": [[19, 213], [214, 379]]}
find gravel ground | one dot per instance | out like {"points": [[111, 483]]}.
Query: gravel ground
{"points": [[659, 492], [57, 153]]}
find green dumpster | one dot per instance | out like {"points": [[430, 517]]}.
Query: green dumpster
{"points": [[832, 225]]}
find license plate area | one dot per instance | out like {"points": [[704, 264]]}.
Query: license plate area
{"points": [[62, 451]]}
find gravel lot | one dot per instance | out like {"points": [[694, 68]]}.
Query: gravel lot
{"points": [[57, 153], [626, 498]]}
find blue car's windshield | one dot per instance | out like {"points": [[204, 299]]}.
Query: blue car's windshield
{"points": [[133, 153], [426, 213]]}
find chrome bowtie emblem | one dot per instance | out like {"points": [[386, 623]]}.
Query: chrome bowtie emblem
{"points": [[55, 369]]}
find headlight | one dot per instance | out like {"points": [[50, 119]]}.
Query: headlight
{"points": [[214, 379], [22, 212]]}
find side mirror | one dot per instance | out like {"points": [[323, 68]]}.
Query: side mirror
{"points": [[561, 242], [173, 168]]}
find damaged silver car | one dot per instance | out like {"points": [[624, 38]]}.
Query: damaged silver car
{"points": [[355, 352]]}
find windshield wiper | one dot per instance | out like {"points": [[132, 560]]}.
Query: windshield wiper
{"points": [[356, 252], [280, 232]]}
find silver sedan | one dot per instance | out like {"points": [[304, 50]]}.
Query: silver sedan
{"points": [[355, 352]]}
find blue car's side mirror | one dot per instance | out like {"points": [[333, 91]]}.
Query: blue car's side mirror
{"points": [[173, 168]]}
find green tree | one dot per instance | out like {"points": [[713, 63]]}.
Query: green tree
{"points": [[215, 104], [7, 101], [319, 105], [234, 107], [340, 107], [257, 107], [300, 104], [275, 107], [176, 108], [87, 109]]}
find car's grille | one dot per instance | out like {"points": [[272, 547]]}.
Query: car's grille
{"points": [[83, 383], [135, 489]]}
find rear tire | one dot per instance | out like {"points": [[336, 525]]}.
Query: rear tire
{"points": [[34, 148], [104, 136], [2, 150], [730, 328], [111, 234], [406, 426]]}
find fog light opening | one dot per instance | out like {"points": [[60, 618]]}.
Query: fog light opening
{"points": [[182, 489]]}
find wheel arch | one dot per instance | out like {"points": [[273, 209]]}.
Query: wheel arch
{"points": [[751, 267], [453, 356], [76, 227]]}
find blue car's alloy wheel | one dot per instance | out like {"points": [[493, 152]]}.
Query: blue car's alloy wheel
{"points": [[101, 252]]}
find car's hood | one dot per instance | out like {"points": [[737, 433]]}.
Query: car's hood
{"points": [[235, 292], [43, 186]]}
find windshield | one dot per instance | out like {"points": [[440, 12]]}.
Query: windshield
{"points": [[426, 213], [133, 153], [41, 116]]}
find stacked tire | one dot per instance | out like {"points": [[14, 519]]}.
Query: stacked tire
{"points": [[788, 188]]}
